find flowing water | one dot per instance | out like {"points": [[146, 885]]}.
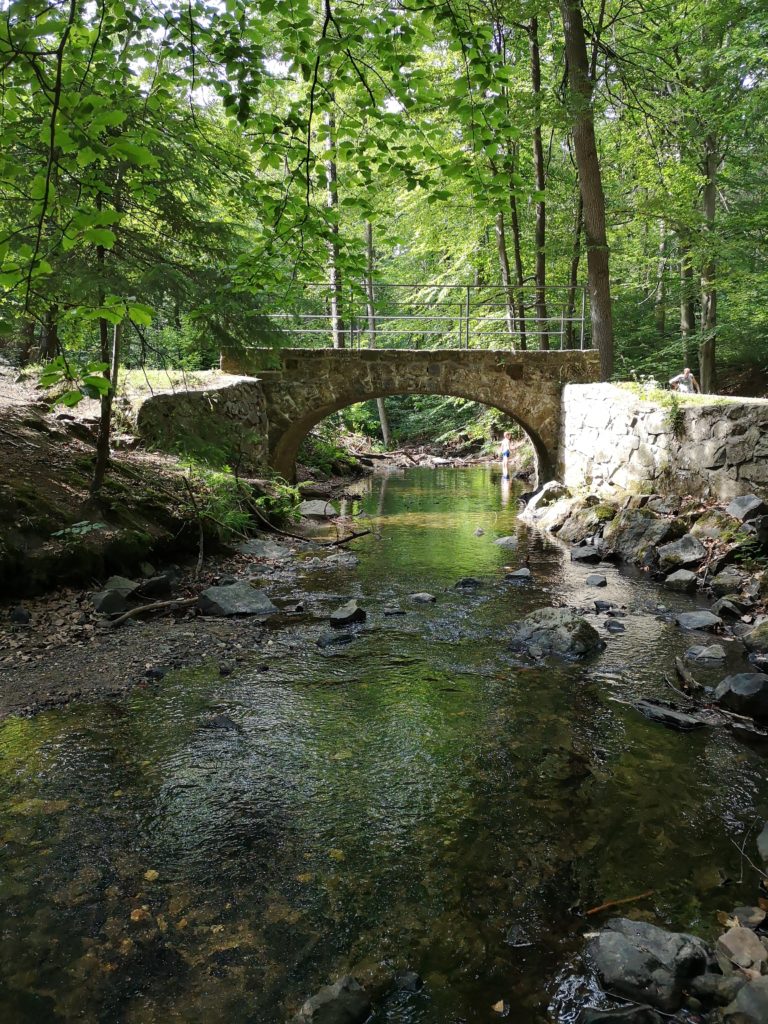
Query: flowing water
{"points": [[422, 798]]}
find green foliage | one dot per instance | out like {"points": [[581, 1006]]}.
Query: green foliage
{"points": [[321, 451], [282, 504], [219, 500]]}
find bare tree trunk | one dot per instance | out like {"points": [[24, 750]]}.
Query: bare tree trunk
{"points": [[660, 304], [49, 341], [573, 275], [515, 221], [588, 163], [506, 277], [540, 235], [370, 297], [709, 270], [105, 420], [332, 202], [687, 304]]}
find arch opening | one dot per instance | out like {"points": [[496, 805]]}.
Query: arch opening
{"points": [[286, 441]]}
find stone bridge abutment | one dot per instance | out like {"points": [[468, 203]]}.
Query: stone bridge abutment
{"points": [[303, 386]]}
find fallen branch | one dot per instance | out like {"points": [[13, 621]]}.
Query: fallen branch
{"points": [[344, 540], [619, 903], [156, 606]]}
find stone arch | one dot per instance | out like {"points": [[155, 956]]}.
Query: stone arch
{"points": [[284, 448], [302, 386]]}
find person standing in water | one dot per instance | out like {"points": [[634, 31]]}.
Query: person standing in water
{"points": [[504, 452]]}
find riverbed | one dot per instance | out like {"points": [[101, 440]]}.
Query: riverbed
{"points": [[421, 798]]}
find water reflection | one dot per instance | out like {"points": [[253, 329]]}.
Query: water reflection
{"points": [[421, 798]]}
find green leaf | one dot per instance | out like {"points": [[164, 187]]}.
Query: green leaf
{"points": [[100, 236], [70, 398], [140, 314], [139, 155], [86, 156]]}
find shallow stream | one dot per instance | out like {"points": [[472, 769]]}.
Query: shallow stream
{"points": [[421, 798]]}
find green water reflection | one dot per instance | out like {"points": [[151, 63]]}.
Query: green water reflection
{"points": [[420, 799]]}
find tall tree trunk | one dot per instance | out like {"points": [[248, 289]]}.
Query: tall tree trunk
{"points": [[332, 202], [687, 303], [370, 302], [105, 420], [540, 235], [515, 222], [709, 270], [573, 275], [660, 303], [49, 341], [27, 341], [588, 164], [506, 277]]}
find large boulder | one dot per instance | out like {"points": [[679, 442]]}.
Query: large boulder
{"points": [[706, 655], [115, 596], [762, 842], [317, 509], [750, 1005], [756, 640], [729, 581], [547, 495], [740, 947], [344, 1002], [746, 693], [680, 553], [263, 547], [746, 507], [683, 581], [713, 525], [647, 964], [559, 631], [235, 599], [698, 620], [634, 531]]}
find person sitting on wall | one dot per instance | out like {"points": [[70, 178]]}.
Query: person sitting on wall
{"points": [[685, 383]]}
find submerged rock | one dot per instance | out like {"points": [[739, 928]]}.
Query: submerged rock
{"points": [[423, 598], [223, 722], [647, 964], [667, 716], [625, 1015], [585, 553], [507, 542], [347, 614], [596, 579], [519, 575], [344, 1002], [560, 631], [335, 639], [235, 599], [745, 693], [468, 583], [408, 981]]}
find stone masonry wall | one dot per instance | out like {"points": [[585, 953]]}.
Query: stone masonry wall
{"points": [[614, 442], [229, 416]]}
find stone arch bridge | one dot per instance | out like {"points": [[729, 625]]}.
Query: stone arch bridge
{"points": [[302, 386]]}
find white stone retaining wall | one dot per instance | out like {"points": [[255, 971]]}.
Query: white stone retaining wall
{"points": [[614, 442]]}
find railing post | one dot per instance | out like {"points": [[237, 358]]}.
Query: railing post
{"points": [[468, 313], [583, 314]]}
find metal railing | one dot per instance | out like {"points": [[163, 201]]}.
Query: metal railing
{"points": [[425, 316]]}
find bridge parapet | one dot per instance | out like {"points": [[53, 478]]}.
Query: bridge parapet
{"points": [[303, 386]]}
